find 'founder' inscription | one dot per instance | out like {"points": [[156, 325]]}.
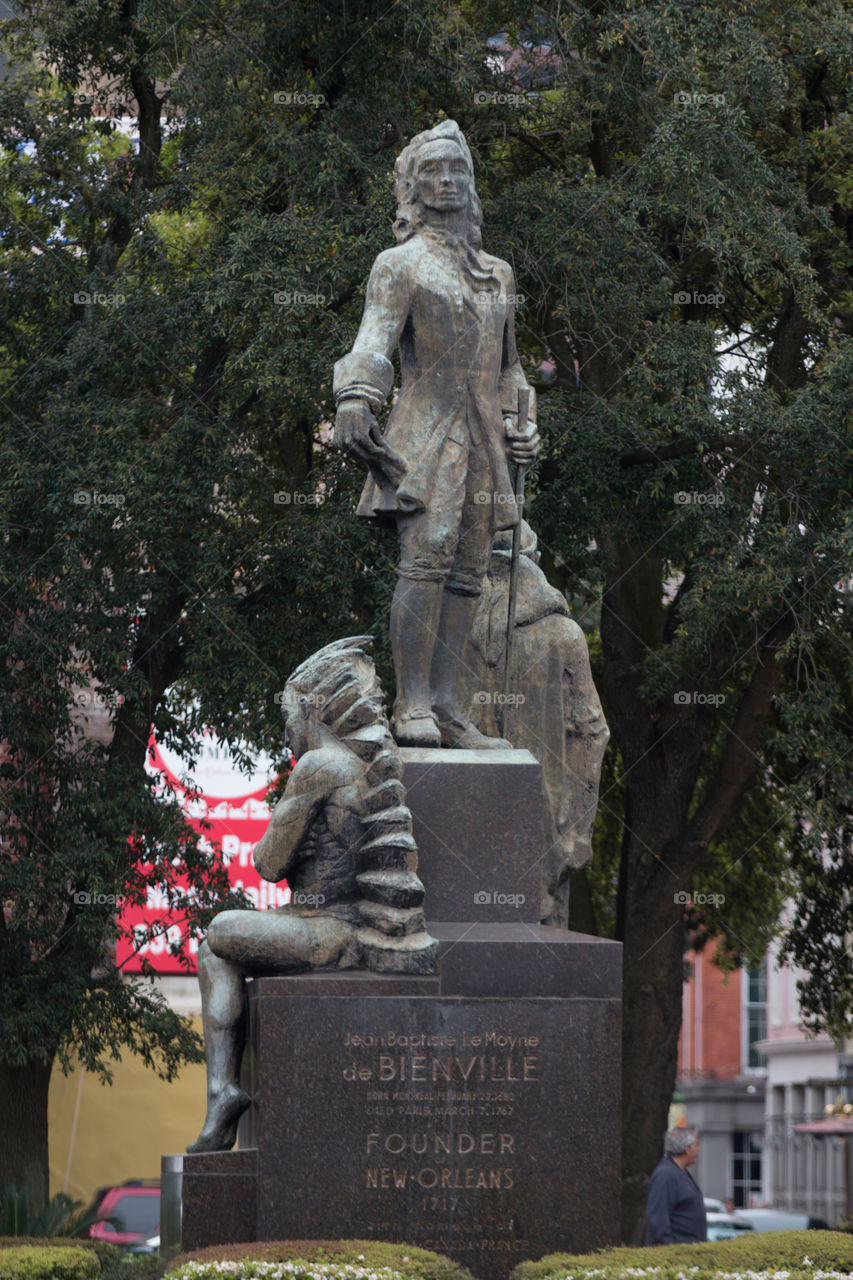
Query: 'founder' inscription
{"points": [[438, 1117]]}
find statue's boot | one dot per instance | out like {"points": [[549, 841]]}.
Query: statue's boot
{"points": [[223, 1004], [414, 623], [448, 668]]}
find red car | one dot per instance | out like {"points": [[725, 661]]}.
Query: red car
{"points": [[132, 1210]]}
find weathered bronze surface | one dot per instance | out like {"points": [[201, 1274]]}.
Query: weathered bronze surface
{"points": [[441, 471], [342, 836], [553, 711]]}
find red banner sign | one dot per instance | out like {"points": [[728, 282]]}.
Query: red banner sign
{"points": [[234, 807]]}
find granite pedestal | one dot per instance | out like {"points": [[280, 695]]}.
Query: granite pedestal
{"points": [[478, 821], [476, 1112]]}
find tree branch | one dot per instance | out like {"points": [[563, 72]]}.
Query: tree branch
{"points": [[740, 762], [688, 449]]}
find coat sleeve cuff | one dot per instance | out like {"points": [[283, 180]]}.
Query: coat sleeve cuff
{"points": [[363, 374]]}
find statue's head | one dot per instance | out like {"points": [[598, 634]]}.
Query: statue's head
{"points": [[435, 175], [334, 700], [336, 692]]}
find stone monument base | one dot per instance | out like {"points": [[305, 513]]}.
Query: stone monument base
{"points": [[476, 1113]]}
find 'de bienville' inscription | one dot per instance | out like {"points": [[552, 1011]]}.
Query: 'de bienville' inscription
{"points": [[440, 1119]]}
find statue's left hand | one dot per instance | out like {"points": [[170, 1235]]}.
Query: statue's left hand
{"points": [[522, 448], [353, 425]]}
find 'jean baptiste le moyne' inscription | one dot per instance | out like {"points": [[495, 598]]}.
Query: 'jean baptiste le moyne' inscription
{"points": [[440, 1113]]}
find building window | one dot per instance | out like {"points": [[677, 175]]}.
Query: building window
{"points": [[746, 1168], [755, 1016]]}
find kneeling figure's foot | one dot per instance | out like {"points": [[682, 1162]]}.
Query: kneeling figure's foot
{"points": [[220, 1125], [464, 735]]}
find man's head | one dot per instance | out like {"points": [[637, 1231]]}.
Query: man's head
{"points": [[435, 175], [442, 177], [683, 1145], [336, 693]]}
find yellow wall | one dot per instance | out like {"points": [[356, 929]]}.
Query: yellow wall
{"points": [[121, 1129]]}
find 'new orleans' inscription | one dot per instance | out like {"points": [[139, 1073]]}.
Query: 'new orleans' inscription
{"points": [[473, 1076]]}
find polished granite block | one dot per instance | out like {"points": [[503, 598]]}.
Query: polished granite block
{"points": [[478, 820], [209, 1199]]}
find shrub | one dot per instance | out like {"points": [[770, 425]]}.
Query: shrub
{"points": [[366, 1255], [754, 1251], [115, 1263], [295, 1269], [132, 1266], [48, 1262], [61, 1216]]}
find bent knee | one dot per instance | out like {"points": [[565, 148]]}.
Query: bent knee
{"points": [[224, 931]]}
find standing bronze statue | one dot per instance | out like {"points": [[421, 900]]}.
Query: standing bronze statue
{"points": [[441, 471]]}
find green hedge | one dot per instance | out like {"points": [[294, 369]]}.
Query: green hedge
{"points": [[752, 1251], [48, 1262], [403, 1259], [114, 1263]]}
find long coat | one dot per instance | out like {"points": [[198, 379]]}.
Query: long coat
{"points": [[460, 368]]}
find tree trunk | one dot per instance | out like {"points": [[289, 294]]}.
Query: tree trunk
{"points": [[23, 1134], [653, 946], [661, 752]]}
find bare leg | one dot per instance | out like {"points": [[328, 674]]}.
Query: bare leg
{"points": [[240, 943], [223, 1003]]}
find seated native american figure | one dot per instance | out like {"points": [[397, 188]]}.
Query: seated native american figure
{"points": [[342, 836]]}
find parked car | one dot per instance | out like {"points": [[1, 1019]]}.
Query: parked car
{"points": [[130, 1213], [725, 1226], [714, 1206], [780, 1220], [151, 1245]]}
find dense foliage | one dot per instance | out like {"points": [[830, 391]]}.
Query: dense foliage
{"points": [[47, 1262], [112, 1262], [672, 188]]}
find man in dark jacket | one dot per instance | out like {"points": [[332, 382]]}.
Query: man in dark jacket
{"points": [[675, 1210]]}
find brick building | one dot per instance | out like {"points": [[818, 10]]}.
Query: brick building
{"points": [[804, 1172], [721, 1077], [747, 1075]]}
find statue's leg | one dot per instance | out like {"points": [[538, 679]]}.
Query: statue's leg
{"points": [[457, 616], [451, 661], [223, 1005], [252, 942], [414, 621], [450, 664], [428, 547], [415, 611]]}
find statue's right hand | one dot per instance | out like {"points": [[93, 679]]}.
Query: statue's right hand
{"points": [[353, 425]]}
